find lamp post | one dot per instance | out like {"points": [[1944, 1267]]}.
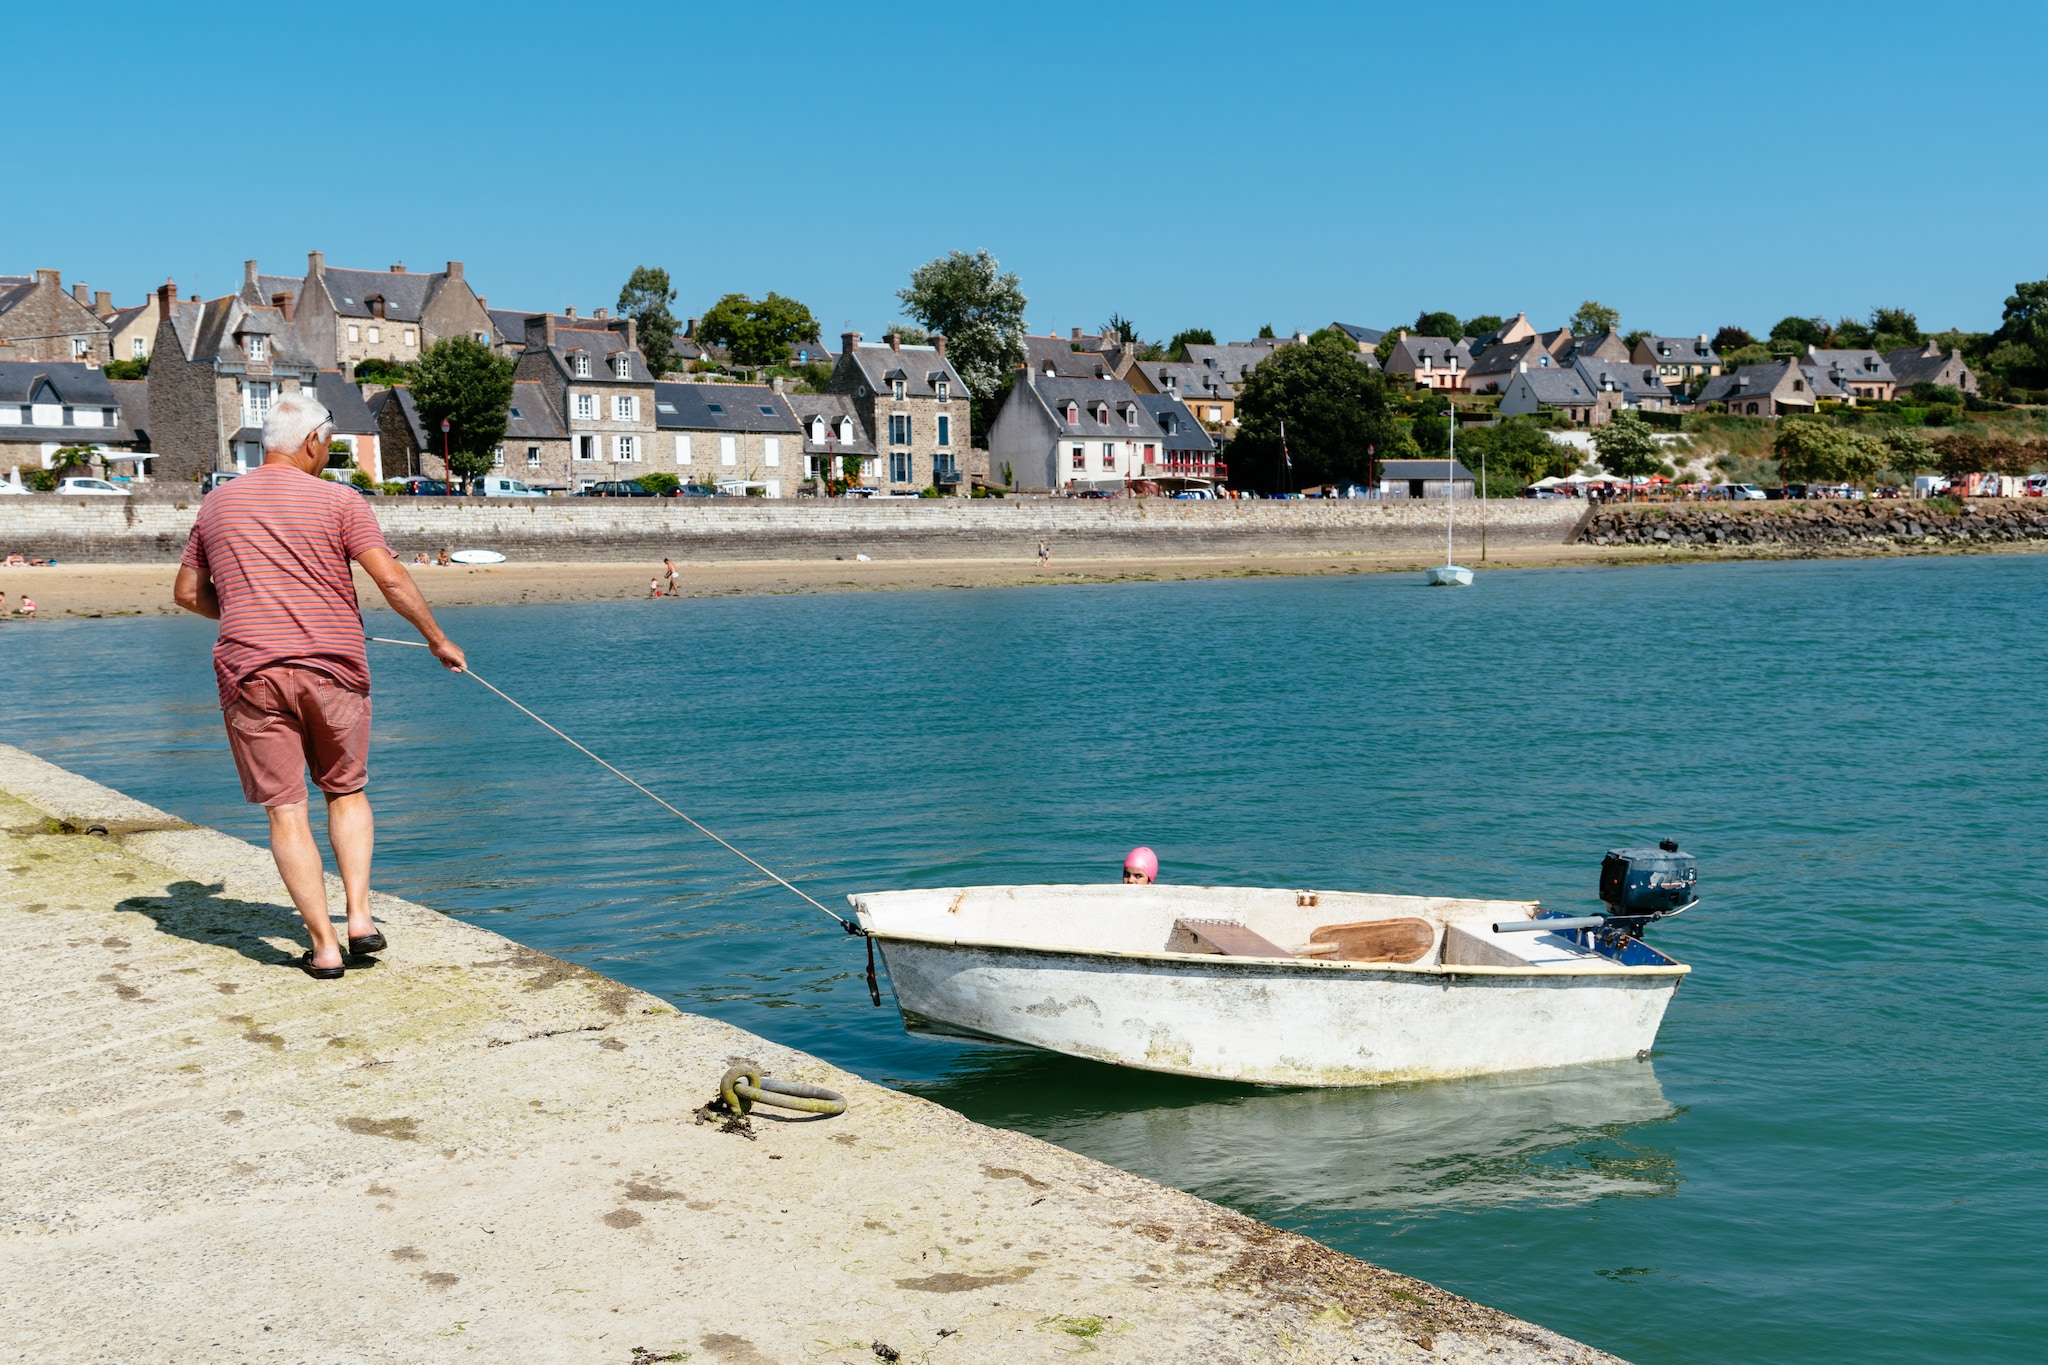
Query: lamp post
{"points": [[447, 468]]}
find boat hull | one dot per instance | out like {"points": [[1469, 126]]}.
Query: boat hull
{"points": [[1449, 576], [1276, 1023]]}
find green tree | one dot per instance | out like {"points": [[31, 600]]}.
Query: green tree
{"points": [[137, 368], [1627, 447], [1124, 328], [1632, 338], [1896, 322], [1438, 325], [1850, 334], [70, 462], [1431, 434], [658, 482], [979, 308], [2026, 321], [1731, 339], [1335, 410], [1386, 347], [1907, 452], [1593, 318], [389, 373], [1801, 331], [645, 298], [1812, 451], [1177, 349], [757, 333], [1486, 324], [909, 333], [470, 385], [1518, 449], [1266, 332]]}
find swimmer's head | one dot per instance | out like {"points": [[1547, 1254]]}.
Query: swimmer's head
{"points": [[1141, 866]]}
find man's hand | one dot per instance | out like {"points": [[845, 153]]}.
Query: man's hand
{"points": [[404, 596]]}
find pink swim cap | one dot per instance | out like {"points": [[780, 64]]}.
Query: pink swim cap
{"points": [[1142, 859]]}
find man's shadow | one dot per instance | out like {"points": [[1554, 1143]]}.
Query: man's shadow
{"points": [[200, 913]]}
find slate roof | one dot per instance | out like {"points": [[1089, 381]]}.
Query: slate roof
{"points": [[11, 294], [1866, 366], [1607, 346], [832, 407], [1087, 395], [1409, 353], [1364, 336], [1634, 382], [403, 397], [1401, 470], [213, 327], [1558, 388], [920, 367], [1067, 362], [121, 317], [1176, 424], [133, 397], [1506, 358], [1761, 381], [722, 407], [405, 293], [1681, 350], [68, 381], [601, 344], [1189, 379], [344, 402], [1922, 364], [1230, 364]]}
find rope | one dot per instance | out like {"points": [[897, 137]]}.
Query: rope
{"points": [[848, 925]]}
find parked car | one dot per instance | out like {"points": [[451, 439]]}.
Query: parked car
{"points": [[617, 488], [92, 488], [214, 480], [498, 486], [695, 490], [1737, 492], [418, 487]]}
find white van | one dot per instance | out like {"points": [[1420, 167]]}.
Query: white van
{"points": [[498, 486]]}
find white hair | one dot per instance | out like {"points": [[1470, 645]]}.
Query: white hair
{"points": [[294, 417]]}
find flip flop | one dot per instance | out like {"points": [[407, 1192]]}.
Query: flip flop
{"points": [[304, 962], [372, 942]]}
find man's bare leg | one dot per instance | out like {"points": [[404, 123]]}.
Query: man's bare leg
{"points": [[352, 832], [298, 862]]}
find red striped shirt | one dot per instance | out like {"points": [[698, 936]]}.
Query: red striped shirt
{"points": [[277, 544]]}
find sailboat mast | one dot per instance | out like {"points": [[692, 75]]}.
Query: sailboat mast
{"points": [[1451, 491]]}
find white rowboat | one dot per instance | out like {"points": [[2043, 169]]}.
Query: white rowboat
{"points": [[1275, 987]]}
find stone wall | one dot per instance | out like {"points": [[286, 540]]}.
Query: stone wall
{"points": [[1816, 527], [140, 530]]}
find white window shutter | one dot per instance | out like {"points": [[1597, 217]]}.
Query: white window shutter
{"points": [[728, 450], [683, 448], [771, 450]]}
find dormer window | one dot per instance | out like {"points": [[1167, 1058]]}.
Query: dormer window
{"points": [[1130, 415], [580, 364], [846, 429], [1073, 415], [256, 348], [817, 431], [622, 365], [1051, 371], [896, 389], [944, 391]]}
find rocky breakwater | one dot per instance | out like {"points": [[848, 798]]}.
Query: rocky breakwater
{"points": [[1816, 528]]}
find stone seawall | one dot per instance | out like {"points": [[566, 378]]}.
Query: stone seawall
{"points": [[106, 530], [1816, 527]]}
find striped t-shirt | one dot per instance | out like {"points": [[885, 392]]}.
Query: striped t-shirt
{"points": [[277, 544]]}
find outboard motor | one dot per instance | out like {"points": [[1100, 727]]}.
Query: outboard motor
{"points": [[1639, 887]]}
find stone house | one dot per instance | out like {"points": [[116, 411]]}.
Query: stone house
{"points": [[48, 405], [1776, 389], [131, 332], [214, 370], [832, 430], [346, 316], [1638, 385], [741, 439], [1052, 357], [1499, 361], [1928, 365], [913, 401], [1074, 434], [1366, 339], [1563, 389], [1858, 374], [1680, 362], [1430, 362], [595, 381], [1608, 347], [39, 321], [535, 449], [1212, 402]]}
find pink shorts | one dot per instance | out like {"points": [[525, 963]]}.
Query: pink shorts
{"points": [[288, 719]]}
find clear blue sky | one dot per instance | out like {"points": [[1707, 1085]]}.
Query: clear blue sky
{"points": [[1187, 165]]}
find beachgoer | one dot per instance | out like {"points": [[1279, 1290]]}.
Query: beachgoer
{"points": [[444, 561], [15, 561], [420, 557], [1044, 554], [3, 604], [674, 578], [268, 558], [28, 605], [654, 587], [1141, 867]]}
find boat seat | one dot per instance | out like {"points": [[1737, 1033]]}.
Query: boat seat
{"points": [[1225, 938], [1373, 940]]}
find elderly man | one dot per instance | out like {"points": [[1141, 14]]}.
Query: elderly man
{"points": [[269, 559]]}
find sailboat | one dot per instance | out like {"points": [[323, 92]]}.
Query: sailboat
{"points": [[1450, 573]]}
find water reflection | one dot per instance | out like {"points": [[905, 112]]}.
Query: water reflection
{"points": [[1565, 1136]]}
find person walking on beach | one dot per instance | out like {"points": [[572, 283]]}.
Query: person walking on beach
{"points": [[674, 578], [1044, 555], [269, 558]]}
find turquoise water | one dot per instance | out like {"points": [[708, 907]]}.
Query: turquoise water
{"points": [[1837, 1151]]}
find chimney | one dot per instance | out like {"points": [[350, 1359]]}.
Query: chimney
{"points": [[398, 268], [600, 313], [282, 302], [193, 297], [895, 340], [568, 312], [103, 304], [454, 272], [1300, 338], [481, 301], [776, 383], [939, 344], [847, 340], [55, 278], [81, 295], [690, 328], [1077, 334], [166, 295], [1401, 334], [1024, 375], [1703, 338], [316, 263], [633, 333], [249, 275]]}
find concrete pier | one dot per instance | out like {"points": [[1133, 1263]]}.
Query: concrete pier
{"points": [[474, 1151]]}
